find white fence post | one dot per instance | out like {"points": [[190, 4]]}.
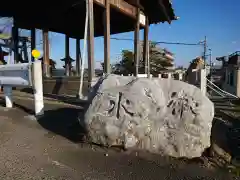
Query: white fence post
{"points": [[8, 96], [38, 88], [203, 81], [169, 75], [180, 76]]}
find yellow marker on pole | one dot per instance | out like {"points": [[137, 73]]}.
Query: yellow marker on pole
{"points": [[36, 54]]}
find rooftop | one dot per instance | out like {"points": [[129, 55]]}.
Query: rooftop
{"points": [[237, 53], [68, 16], [234, 58]]}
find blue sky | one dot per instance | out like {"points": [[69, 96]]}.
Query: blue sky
{"points": [[217, 19]]}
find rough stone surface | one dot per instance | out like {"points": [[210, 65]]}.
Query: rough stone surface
{"points": [[159, 115]]}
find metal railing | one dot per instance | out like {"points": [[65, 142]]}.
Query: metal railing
{"points": [[218, 90]]}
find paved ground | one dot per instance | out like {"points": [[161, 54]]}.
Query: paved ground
{"points": [[50, 148]]}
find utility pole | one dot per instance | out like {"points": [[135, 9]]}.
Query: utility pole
{"points": [[210, 70], [205, 51]]}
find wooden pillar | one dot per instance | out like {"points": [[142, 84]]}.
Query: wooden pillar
{"points": [[146, 47], [91, 71], [78, 57], [136, 41], [67, 56], [106, 24], [46, 53], [16, 41], [33, 41]]}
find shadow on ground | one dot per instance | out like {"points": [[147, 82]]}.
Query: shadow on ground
{"points": [[61, 121], [64, 122], [226, 133]]}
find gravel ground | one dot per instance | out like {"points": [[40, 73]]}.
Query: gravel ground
{"points": [[50, 149]]}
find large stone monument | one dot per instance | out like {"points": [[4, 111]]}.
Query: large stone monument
{"points": [[158, 115]]}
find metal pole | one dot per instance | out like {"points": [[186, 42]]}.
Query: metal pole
{"points": [[210, 70], [80, 93], [205, 51]]}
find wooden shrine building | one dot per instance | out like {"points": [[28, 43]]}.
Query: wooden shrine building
{"points": [[68, 65], [106, 17]]}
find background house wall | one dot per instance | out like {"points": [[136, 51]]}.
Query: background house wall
{"points": [[232, 80]]}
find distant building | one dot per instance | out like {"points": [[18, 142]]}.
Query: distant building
{"points": [[231, 80], [68, 65], [192, 74]]}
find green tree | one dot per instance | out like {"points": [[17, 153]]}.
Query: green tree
{"points": [[157, 58], [126, 65]]}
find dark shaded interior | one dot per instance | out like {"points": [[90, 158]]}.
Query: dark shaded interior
{"points": [[68, 17]]}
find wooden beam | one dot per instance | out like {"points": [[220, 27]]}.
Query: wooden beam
{"points": [[100, 2], [107, 37], [78, 57], [135, 4], [124, 7], [146, 46], [33, 42], [67, 56], [46, 53], [120, 5], [91, 71], [137, 42]]}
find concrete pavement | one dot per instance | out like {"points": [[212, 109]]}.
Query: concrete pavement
{"points": [[51, 148]]}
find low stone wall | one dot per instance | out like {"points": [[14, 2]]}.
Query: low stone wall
{"points": [[61, 86], [69, 86]]}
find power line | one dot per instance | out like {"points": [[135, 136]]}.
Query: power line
{"points": [[162, 42], [175, 43], [122, 39]]}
